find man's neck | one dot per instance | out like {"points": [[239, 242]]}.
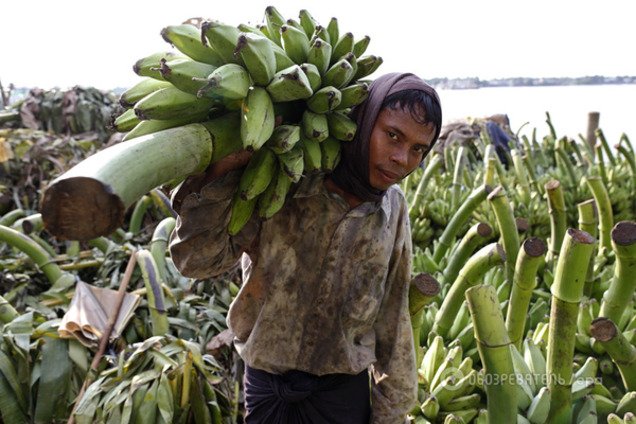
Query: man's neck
{"points": [[351, 199]]}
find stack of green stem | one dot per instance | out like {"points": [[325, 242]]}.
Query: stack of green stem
{"points": [[567, 292], [470, 275], [530, 258], [493, 344], [556, 209], [154, 292], [476, 236], [606, 217], [433, 165], [423, 289], [623, 285], [507, 228], [457, 174], [588, 222], [619, 349]]}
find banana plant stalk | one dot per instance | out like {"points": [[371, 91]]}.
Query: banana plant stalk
{"points": [[556, 209], [458, 220], [29, 224], [476, 236], [530, 258], [522, 177], [629, 158], [91, 198], [493, 345], [588, 222], [566, 163], [159, 244], [138, 213], [456, 184], [622, 352], [623, 285], [154, 293], [433, 165], [423, 289], [567, 291], [600, 162], [606, 217], [606, 146], [471, 274], [507, 228]]}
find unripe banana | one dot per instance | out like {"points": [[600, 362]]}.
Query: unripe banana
{"points": [[294, 23], [187, 39], [289, 84], [230, 81], [154, 125], [311, 154], [343, 46], [282, 60], [353, 61], [295, 43], [361, 45], [324, 100], [320, 32], [539, 408], [240, 214], [432, 359], [341, 126], [225, 131], [140, 90], [126, 121], [284, 138], [258, 55], [353, 95], [367, 65], [333, 30], [171, 103], [307, 22], [186, 75], [339, 74], [430, 407], [274, 21], [313, 76], [258, 173], [273, 198], [149, 66], [221, 38], [315, 126], [251, 29], [292, 163], [257, 118], [319, 55], [330, 151], [463, 402], [627, 403]]}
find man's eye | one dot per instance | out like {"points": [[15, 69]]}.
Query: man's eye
{"points": [[392, 135]]}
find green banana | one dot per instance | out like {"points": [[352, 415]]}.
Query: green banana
{"points": [[258, 174], [126, 121], [307, 22], [230, 81], [353, 95], [284, 138], [330, 152], [251, 29], [430, 407], [226, 135], [282, 60], [324, 100], [273, 198], [187, 39], [536, 362], [339, 74], [223, 39], [295, 43], [274, 21], [333, 29], [289, 84], [522, 369], [258, 55], [537, 412], [140, 90], [149, 66], [186, 75], [367, 65], [240, 214], [319, 55], [292, 163], [315, 126], [588, 370], [341, 126], [257, 118], [360, 46], [311, 154], [587, 413], [294, 23], [463, 402], [312, 74], [341, 47], [432, 359], [627, 403], [154, 125], [320, 32], [629, 418], [170, 103]]}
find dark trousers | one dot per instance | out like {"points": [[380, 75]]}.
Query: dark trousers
{"points": [[297, 397]]}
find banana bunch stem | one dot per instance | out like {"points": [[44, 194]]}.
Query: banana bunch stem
{"points": [[154, 293], [588, 222], [458, 220], [476, 235], [457, 174], [422, 291], [567, 291], [606, 217], [529, 259], [619, 349], [556, 209], [433, 166], [622, 286], [493, 345], [507, 228], [159, 244], [470, 274], [629, 158]]}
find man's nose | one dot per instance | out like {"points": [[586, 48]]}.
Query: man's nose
{"points": [[399, 156]]}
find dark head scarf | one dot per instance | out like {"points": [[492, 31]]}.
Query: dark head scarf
{"points": [[352, 173]]}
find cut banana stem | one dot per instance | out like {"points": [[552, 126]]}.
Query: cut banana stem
{"points": [[606, 217], [507, 228], [476, 236], [619, 349], [556, 209]]}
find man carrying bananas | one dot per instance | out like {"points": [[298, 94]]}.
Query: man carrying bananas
{"points": [[324, 298]]}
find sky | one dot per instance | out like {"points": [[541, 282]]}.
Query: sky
{"points": [[95, 43]]}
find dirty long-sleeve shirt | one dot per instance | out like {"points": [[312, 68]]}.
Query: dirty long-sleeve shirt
{"points": [[325, 287]]}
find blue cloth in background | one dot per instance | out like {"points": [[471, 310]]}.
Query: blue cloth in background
{"points": [[500, 139]]}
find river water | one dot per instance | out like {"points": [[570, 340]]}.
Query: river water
{"points": [[568, 107]]}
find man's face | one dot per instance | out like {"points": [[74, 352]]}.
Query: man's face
{"points": [[397, 146]]}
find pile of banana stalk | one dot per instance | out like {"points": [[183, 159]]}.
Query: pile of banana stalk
{"points": [[522, 304]]}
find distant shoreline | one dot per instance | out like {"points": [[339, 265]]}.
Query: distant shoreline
{"points": [[474, 82]]}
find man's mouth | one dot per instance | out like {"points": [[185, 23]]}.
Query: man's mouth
{"points": [[388, 176]]}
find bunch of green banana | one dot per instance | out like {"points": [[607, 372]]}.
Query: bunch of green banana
{"points": [[244, 82]]}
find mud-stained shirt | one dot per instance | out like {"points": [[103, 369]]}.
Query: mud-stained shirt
{"points": [[325, 286]]}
